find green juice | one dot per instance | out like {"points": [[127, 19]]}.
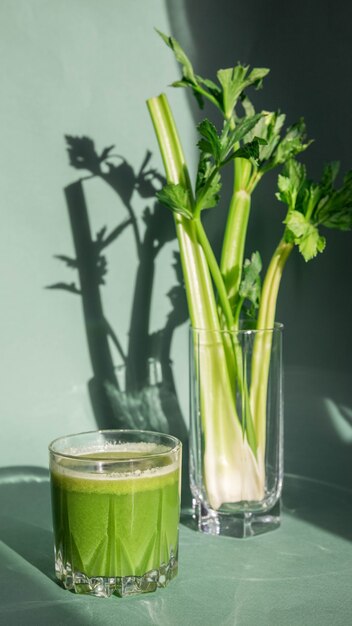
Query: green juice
{"points": [[115, 523]]}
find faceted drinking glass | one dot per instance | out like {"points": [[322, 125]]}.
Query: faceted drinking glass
{"points": [[116, 506]]}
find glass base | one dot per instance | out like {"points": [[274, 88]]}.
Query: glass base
{"points": [[240, 525], [104, 587]]}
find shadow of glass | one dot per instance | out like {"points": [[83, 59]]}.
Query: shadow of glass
{"points": [[318, 432], [25, 521], [29, 593], [31, 542], [318, 503]]}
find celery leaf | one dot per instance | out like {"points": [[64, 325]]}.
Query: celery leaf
{"points": [[234, 81], [176, 198], [250, 150], [311, 243], [181, 57], [250, 286], [304, 234], [335, 209], [281, 149], [210, 141], [207, 192], [290, 183]]}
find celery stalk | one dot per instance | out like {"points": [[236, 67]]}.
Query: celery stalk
{"points": [[234, 241], [263, 341], [217, 296], [231, 470], [199, 289]]}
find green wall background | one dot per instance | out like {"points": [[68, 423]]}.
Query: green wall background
{"points": [[77, 67], [84, 67]]}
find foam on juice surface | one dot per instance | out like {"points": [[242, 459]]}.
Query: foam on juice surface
{"points": [[107, 469]]}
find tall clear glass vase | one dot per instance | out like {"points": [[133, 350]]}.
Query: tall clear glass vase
{"points": [[236, 429]]}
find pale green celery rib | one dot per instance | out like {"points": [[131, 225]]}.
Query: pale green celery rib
{"points": [[231, 269], [232, 473], [234, 241], [199, 288], [225, 446], [263, 342], [216, 273], [242, 173], [233, 352]]}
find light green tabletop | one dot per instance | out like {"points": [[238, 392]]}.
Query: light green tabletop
{"points": [[298, 575]]}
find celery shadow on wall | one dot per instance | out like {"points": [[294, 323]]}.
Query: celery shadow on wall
{"points": [[140, 391]]}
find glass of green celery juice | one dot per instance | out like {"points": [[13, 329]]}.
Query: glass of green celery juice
{"points": [[116, 506]]}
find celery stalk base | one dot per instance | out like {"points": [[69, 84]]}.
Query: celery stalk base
{"points": [[234, 486], [239, 525]]}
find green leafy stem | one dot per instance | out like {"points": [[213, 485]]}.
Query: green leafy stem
{"points": [[221, 293]]}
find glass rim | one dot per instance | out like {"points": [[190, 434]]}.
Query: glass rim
{"points": [[177, 445], [278, 326]]}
